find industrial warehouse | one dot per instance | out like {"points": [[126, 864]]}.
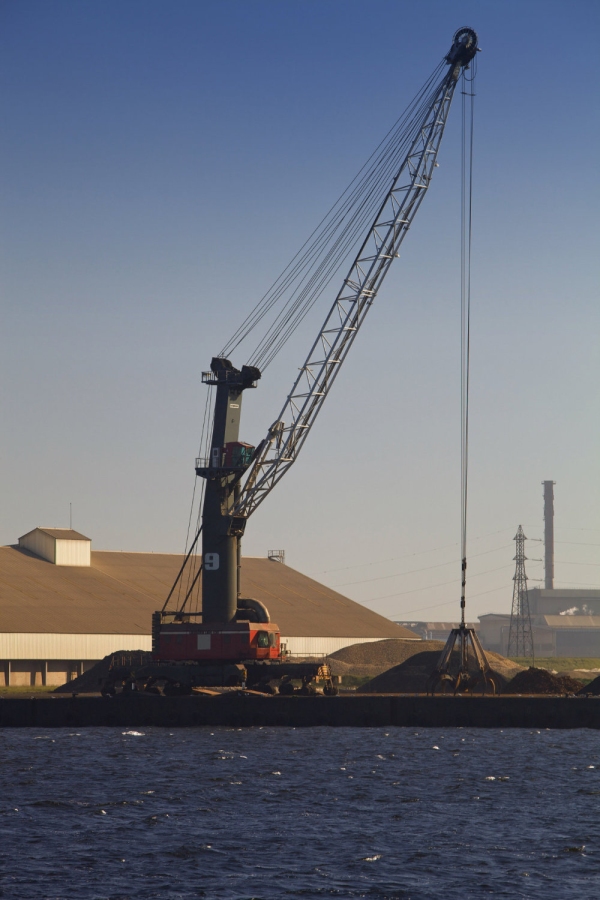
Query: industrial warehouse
{"points": [[63, 606]]}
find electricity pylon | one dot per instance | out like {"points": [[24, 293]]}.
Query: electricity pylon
{"points": [[520, 635]]}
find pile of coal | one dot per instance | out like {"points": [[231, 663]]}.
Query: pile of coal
{"points": [[412, 675], [91, 681], [592, 688], [541, 681]]}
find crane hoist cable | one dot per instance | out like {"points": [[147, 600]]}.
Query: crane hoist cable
{"points": [[192, 562], [466, 232], [304, 279], [473, 667], [326, 266]]}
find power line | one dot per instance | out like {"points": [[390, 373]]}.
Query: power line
{"points": [[431, 586], [408, 555], [581, 584], [573, 543], [563, 528], [577, 543], [413, 571], [442, 605], [565, 563]]}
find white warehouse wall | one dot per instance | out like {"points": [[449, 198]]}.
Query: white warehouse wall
{"points": [[14, 645], [25, 645]]}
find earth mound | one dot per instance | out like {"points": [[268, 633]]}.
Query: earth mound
{"points": [[541, 681], [374, 657], [91, 681], [412, 675]]}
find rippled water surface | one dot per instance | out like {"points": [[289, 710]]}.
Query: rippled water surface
{"points": [[275, 813]]}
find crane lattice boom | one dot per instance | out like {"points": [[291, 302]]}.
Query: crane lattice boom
{"points": [[286, 436]]}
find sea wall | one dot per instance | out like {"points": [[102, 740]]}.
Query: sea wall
{"points": [[244, 710]]}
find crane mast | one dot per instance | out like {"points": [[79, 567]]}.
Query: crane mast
{"points": [[227, 501]]}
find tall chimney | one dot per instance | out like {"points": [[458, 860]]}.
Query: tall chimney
{"points": [[549, 534]]}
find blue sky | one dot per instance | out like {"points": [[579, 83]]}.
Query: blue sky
{"points": [[161, 164]]}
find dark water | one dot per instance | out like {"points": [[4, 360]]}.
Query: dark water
{"points": [[284, 813]]}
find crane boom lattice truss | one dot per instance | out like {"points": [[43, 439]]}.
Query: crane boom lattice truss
{"points": [[520, 635], [287, 435]]}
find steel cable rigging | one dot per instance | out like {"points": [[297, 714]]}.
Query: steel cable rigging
{"points": [[466, 231], [305, 278], [473, 667]]}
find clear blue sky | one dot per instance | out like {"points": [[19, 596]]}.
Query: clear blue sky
{"points": [[161, 162]]}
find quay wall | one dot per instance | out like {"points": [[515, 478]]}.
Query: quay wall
{"points": [[246, 710]]}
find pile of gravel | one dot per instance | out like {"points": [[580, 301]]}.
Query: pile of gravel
{"points": [[374, 657], [541, 681], [91, 681], [412, 675]]}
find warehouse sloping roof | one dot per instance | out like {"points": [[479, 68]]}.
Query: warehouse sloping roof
{"points": [[118, 593], [61, 534]]}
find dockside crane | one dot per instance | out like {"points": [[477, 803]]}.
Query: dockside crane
{"points": [[232, 638]]}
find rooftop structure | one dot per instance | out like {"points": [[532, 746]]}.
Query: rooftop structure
{"points": [[61, 546]]}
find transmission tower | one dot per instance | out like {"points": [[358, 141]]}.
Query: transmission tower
{"points": [[520, 635]]}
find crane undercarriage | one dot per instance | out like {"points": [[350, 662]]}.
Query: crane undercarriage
{"points": [[173, 679]]}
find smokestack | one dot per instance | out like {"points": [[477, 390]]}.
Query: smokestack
{"points": [[549, 534]]}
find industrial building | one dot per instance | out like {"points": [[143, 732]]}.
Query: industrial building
{"points": [[564, 622], [64, 606]]}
